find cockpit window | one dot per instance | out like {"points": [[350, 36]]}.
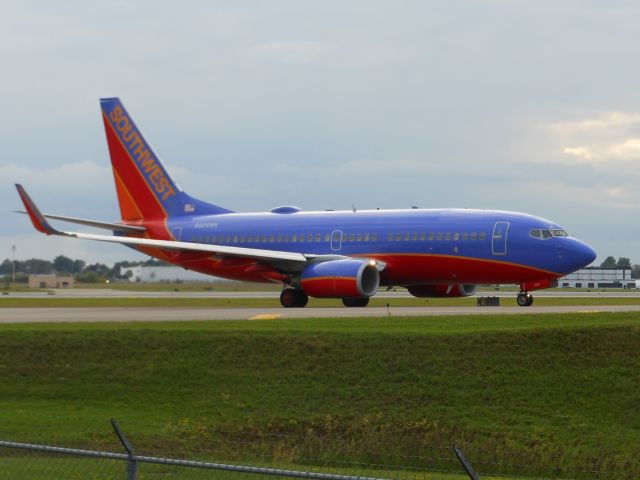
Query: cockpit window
{"points": [[544, 233]]}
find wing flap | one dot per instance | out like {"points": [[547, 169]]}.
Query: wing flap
{"points": [[195, 247]]}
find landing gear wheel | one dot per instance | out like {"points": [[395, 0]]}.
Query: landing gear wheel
{"points": [[355, 302], [525, 299], [293, 298]]}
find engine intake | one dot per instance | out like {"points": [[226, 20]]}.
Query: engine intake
{"points": [[442, 291], [340, 279]]}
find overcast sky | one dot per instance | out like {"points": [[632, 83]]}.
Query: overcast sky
{"points": [[526, 106]]}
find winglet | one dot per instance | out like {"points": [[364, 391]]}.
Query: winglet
{"points": [[38, 220]]}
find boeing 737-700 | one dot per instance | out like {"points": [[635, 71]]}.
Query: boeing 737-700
{"points": [[325, 254]]}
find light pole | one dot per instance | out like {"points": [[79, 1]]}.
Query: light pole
{"points": [[13, 264]]}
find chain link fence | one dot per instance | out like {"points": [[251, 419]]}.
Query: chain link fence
{"points": [[294, 456]]}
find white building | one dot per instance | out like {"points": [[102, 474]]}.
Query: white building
{"points": [[598, 277], [166, 274]]}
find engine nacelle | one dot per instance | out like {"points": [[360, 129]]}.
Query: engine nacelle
{"points": [[340, 279], [442, 291]]}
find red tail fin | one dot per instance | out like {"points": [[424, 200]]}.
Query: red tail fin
{"points": [[145, 189]]}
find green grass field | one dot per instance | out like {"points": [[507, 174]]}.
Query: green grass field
{"points": [[526, 395]]}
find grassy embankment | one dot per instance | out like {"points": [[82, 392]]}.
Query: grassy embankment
{"points": [[561, 389]]}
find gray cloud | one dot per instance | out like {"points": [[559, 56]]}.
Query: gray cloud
{"points": [[325, 104]]}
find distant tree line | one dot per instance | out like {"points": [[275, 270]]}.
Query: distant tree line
{"points": [[99, 272], [621, 262], [61, 265]]}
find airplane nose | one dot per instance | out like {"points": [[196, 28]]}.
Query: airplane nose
{"points": [[578, 255]]}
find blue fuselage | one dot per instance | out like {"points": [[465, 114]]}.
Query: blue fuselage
{"points": [[418, 246]]}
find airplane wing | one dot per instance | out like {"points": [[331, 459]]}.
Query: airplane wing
{"points": [[41, 224], [116, 227]]}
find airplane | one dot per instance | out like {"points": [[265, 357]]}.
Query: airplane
{"points": [[347, 255]]}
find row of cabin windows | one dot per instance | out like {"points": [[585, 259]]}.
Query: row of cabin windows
{"points": [[351, 237], [438, 237]]}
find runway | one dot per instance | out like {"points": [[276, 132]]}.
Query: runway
{"points": [[57, 315], [112, 293]]}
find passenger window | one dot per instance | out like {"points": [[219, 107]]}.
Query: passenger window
{"points": [[389, 237], [327, 237], [374, 237], [366, 237], [431, 236], [423, 237], [398, 237], [242, 238], [352, 237], [406, 237], [456, 237], [439, 237], [235, 239], [294, 238], [474, 236], [310, 237], [279, 237], [301, 237], [286, 238], [414, 237], [447, 237], [482, 236], [228, 239]]}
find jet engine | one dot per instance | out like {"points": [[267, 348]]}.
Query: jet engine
{"points": [[442, 291], [340, 279]]}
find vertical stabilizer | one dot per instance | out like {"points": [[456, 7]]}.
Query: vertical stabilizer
{"points": [[145, 188]]}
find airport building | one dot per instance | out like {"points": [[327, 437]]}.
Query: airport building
{"points": [[50, 281], [598, 277], [166, 274]]}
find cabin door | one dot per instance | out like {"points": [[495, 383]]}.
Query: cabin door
{"points": [[177, 233], [336, 240], [499, 238]]}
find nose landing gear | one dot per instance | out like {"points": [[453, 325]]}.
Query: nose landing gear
{"points": [[525, 299]]}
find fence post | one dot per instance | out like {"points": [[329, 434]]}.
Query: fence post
{"points": [[132, 463], [465, 464]]}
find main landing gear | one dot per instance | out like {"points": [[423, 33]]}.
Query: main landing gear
{"points": [[356, 302], [293, 298], [525, 299]]}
